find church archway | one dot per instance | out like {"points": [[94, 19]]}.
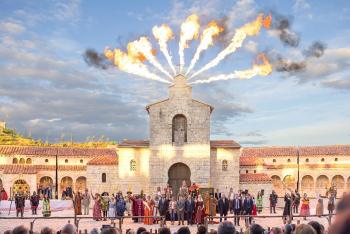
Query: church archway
{"points": [[177, 173], [21, 186], [46, 182]]}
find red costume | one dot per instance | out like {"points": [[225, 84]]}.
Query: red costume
{"points": [[3, 195]]}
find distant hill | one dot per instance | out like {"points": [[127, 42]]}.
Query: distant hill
{"points": [[10, 137]]}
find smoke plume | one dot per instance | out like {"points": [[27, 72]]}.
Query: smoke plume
{"points": [[282, 26], [95, 59], [316, 49]]}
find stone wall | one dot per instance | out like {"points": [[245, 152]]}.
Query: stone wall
{"points": [[94, 178]]}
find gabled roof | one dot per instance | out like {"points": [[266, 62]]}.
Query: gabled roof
{"points": [[104, 160], [53, 151], [134, 144], [254, 178], [224, 144]]}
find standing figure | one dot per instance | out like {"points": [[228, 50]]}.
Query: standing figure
{"points": [[183, 191], [287, 207], [223, 207], [331, 204], [112, 209], [163, 207], [20, 203], [231, 197], [190, 208], [319, 206], [207, 204], [96, 213], [149, 204], [3, 194], [172, 210], [34, 202], [46, 206], [104, 205], [120, 205], [248, 209], [259, 202], [273, 201], [86, 202], [138, 207], [213, 203], [199, 210], [128, 205], [237, 208], [156, 208], [77, 203], [180, 208], [296, 202], [305, 206], [254, 211]]}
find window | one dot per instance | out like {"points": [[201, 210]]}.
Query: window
{"points": [[246, 171], [29, 161], [179, 129], [132, 165], [336, 159], [274, 160], [46, 160], [224, 165], [66, 161], [307, 160], [81, 161], [104, 177], [14, 161], [322, 159], [288, 160], [22, 161], [254, 171]]}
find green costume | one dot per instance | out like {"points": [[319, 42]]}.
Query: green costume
{"points": [[46, 207], [259, 203]]}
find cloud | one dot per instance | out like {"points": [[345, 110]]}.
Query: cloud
{"points": [[11, 27], [67, 10], [301, 5], [338, 84]]}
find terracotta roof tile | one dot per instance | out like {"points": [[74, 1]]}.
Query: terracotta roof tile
{"points": [[52, 151], [19, 169], [258, 177], [325, 150], [134, 143], [103, 160], [269, 151], [250, 161], [32, 169], [224, 144]]}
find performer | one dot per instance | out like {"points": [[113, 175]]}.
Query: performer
{"points": [[223, 207], [296, 201], [46, 206], [331, 204], [183, 191], [194, 190], [138, 207], [86, 202], [319, 206], [305, 206], [287, 207], [148, 204], [163, 207], [172, 210], [96, 213], [104, 205], [199, 210], [213, 202], [20, 203], [254, 211], [120, 205], [237, 208], [156, 208], [190, 208], [259, 202], [273, 202], [248, 209], [231, 197], [34, 202], [180, 208], [77, 203], [3, 194], [112, 209]]}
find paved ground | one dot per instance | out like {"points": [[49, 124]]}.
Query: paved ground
{"points": [[90, 224]]}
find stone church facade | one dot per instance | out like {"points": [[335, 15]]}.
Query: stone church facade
{"points": [[179, 148]]}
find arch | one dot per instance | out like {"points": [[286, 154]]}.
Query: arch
{"points": [[224, 165], [289, 182], [179, 129], [21, 186], [14, 161], [66, 181], [104, 178], [46, 182], [348, 182], [307, 184], [322, 183], [22, 161], [132, 165], [277, 184], [29, 161], [338, 182], [80, 184], [178, 173]]}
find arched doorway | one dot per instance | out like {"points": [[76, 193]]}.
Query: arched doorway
{"points": [[80, 184], [66, 182], [277, 184], [45, 182], [307, 184], [21, 186], [289, 182], [177, 173], [338, 182], [322, 184]]}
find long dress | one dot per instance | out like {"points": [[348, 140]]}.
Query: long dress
{"points": [[287, 206], [305, 207], [259, 204], [199, 212], [148, 212], [77, 201], [254, 210], [46, 207], [96, 214], [111, 210], [319, 207]]}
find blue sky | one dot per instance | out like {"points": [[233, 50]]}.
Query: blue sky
{"points": [[49, 92]]}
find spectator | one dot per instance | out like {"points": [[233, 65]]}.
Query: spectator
{"points": [[20, 230], [111, 231], [288, 229], [226, 228], [164, 230], [183, 230], [317, 226], [46, 230], [140, 230], [68, 229], [256, 229], [304, 229], [201, 229], [145, 232], [8, 232]]}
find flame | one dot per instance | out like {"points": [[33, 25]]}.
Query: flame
{"points": [[189, 31], [163, 34], [142, 49], [131, 63], [211, 31], [249, 29], [262, 69]]}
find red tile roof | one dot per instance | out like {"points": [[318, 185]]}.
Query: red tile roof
{"points": [[224, 144], [255, 178], [250, 161], [268, 151], [33, 169], [52, 151], [325, 150], [103, 160], [134, 143]]}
